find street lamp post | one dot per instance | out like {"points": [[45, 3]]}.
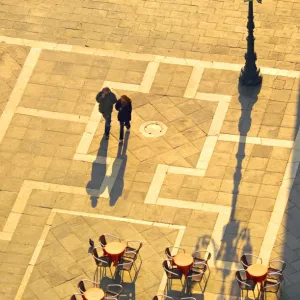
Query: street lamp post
{"points": [[250, 74]]}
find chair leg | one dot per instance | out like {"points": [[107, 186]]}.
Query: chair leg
{"points": [[130, 275], [201, 287]]}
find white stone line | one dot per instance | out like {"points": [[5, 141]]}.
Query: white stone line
{"points": [[142, 57], [212, 97], [51, 115], [27, 187], [148, 78], [226, 66], [120, 219], [24, 282], [194, 205], [280, 203], [90, 130], [123, 86], [93, 159], [256, 140], [186, 171], [156, 184], [218, 119], [206, 153], [35, 256], [18, 90], [193, 84]]}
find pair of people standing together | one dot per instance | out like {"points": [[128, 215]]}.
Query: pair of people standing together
{"points": [[107, 100]]}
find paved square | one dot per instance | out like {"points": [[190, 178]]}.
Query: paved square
{"points": [[222, 178]]}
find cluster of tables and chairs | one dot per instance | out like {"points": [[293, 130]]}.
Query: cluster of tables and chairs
{"points": [[111, 252], [267, 279], [189, 268]]}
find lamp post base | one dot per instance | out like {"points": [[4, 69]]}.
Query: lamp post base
{"points": [[250, 78]]}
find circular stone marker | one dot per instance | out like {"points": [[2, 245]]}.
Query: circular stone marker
{"points": [[153, 129]]}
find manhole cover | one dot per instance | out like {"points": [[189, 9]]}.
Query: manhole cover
{"points": [[153, 129]]}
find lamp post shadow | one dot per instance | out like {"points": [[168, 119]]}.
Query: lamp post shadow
{"points": [[233, 233]]}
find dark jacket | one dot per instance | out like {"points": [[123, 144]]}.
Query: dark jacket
{"points": [[124, 114], [106, 105]]}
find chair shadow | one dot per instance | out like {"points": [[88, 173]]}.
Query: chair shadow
{"points": [[128, 286], [99, 181]]}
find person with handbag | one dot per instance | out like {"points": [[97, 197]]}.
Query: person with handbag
{"points": [[124, 108]]}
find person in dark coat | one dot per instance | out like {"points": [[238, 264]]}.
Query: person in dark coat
{"points": [[106, 99], [124, 108]]}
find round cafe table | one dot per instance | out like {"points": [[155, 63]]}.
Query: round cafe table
{"points": [[93, 294], [115, 250], [184, 262], [257, 273]]}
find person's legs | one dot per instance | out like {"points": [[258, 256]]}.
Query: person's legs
{"points": [[121, 131], [127, 124], [107, 125]]}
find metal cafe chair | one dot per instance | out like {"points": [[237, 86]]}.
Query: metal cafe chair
{"points": [[249, 259], [244, 283]]}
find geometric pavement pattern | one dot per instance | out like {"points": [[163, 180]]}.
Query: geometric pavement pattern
{"points": [[227, 182]]}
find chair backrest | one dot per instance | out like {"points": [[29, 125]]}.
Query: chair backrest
{"points": [[102, 240], [95, 254], [249, 259], [277, 265], [166, 265], [241, 278], [244, 261], [81, 286], [136, 245], [202, 254], [273, 286], [168, 252], [202, 265]]}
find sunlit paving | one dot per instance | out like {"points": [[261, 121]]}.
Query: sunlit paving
{"points": [[149, 150]]}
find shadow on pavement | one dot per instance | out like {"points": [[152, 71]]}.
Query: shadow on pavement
{"points": [[98, 172], [234, 233], [119, 169], [100, 181], [287, 245]]}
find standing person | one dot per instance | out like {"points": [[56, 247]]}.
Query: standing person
{"points": [[124, 108], [106, 99]]}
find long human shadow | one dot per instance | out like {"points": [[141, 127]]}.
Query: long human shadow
{"points": [[290, 247], [98, 172], [118, 170], [228, 251], [114, 182]]}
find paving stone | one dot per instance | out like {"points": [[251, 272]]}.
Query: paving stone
{"points": [[40, 149]]}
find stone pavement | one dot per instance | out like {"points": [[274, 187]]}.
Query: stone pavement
{"points": [[223, 177], [209, 30]]}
